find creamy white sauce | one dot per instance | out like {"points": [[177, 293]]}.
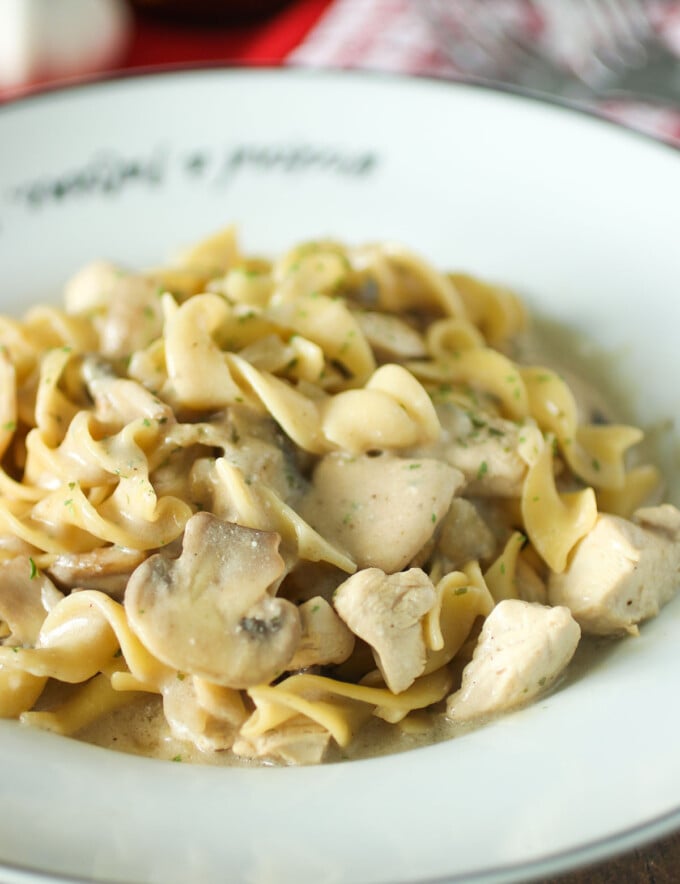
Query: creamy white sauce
{"points": [[141, 729]]}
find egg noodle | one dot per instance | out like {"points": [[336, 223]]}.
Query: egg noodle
{"points": [[286, 497]]}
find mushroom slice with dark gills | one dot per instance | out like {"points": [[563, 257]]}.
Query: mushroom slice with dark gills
{"points": [[210, 612]]}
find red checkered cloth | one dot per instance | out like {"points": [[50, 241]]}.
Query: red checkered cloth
{"points": [[384, 35], [395, 35]]}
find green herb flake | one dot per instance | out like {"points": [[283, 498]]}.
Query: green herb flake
{"points": [[176, 757], [542, 681], [460, 590], [596, 464], [502, 568], [146, 422], [483, 469], [434, 518], [181, 676], [10, 425], [34, 570], [414, 466]]}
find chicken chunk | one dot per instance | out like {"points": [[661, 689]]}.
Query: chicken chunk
{"points": [[325, 638], [485, 450], [380, 510], [522, 648], [622, 572], [299, 741], [387, 612], [210, 726]]}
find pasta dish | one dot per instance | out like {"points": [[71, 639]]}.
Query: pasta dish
{"points": [[279, 500]]}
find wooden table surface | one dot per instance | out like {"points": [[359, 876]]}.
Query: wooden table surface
{"points": [[657, 863]]}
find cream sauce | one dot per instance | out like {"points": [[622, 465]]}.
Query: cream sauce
{"points": [[141, 729]]}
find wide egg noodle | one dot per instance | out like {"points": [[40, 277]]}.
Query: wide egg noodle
{"points": [[221, 383]]}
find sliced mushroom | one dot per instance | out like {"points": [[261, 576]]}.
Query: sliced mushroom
{"points": [[380, 510], [387, 612], [26, 598], [107, 569], [325, 638], [209, 612], [391, 337], [465, 536]]}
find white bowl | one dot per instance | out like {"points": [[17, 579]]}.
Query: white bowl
{"points": [[578, 215]]}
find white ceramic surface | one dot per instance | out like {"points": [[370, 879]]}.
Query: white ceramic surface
{"points": [[581, 217]]}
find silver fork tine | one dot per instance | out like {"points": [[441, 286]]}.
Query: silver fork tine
{"points": [[490, 48], [613, 53], [621, 27]]}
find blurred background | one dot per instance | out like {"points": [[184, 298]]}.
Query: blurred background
{"points": [[618, 57]]}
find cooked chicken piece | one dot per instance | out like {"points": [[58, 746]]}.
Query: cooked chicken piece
{"points": [[202, 720], [299, 741], [119, 400], [130, 309], [485, 450], [325, 638], [107, 569], [380, 510], [210, 612], [465, 536], [522, 648], [133, 316], [387, 612], [622, 572], [26, 598]]}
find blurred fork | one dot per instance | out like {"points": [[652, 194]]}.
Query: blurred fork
{"points": [[600, 49]]}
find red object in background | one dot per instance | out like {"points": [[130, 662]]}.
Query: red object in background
{"points": [[158, 42]]}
